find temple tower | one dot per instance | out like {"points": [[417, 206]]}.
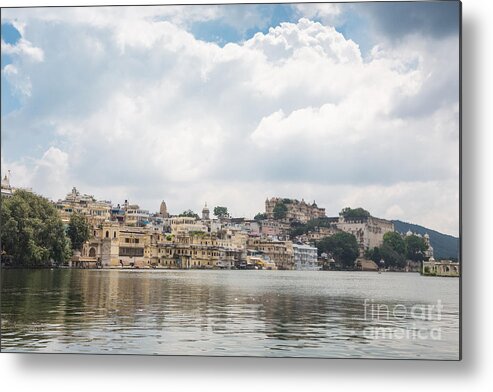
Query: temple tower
{"points": [[205, 212]]}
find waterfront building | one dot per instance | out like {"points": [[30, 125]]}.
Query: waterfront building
{"points": [[440, 268], [116, 245], [298, 211], [305, 257], [280, 252], [196, 250]]}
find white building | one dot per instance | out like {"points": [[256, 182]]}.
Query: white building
{"points": [[305, 257], [7, 190]]}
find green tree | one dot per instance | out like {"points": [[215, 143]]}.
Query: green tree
{"points": [[221, 212], [342, 246], [78, 231], [260, 216], [355, 213], [395, 241], [374, 254], [189, 214], [32, 231], [280, 210], [415, 247], [391, 257]]}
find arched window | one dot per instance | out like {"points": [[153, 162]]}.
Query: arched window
{"points": [[114, 234], [107, 234]]}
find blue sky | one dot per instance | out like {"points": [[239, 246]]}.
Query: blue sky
{"points": [[348, 104]]}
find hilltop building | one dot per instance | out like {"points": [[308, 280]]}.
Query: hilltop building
{"points": [[94, 211], [368, 230], [298, 211]]}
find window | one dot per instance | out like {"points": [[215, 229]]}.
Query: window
{"points": [[107, 234], [131, 252]]}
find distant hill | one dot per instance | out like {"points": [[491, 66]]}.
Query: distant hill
{"points": [[444, 246]]}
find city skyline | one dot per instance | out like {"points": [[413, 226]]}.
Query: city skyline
{"points": [[333, 103]]}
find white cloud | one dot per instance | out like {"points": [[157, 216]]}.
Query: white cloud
{"points": [[23, 48], [130, 106], [327, 13]]}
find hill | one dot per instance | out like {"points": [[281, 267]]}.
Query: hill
{"points": [[444, 246]]}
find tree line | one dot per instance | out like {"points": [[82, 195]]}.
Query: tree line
{"points": [[33, 234], [394, 251]]}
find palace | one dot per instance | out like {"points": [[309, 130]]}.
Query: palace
{"points": [[298, 211]]}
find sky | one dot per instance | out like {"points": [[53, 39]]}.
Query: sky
{"points": [[348, 104]]}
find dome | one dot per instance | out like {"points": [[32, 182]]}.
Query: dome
{"points": [[409, 232]]}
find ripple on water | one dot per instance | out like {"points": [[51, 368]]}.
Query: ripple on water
{"points": [[257, 313]]}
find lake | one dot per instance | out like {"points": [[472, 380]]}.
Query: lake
{"points": [[230, 313]]}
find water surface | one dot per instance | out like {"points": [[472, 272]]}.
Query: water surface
{"points": [[255, 313]]}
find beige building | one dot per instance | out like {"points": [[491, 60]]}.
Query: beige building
{"points": [[318, 233], [280, 252], [299, 211], [115, 245], [185, 224], [273, 228], [197, 250], [93, 210], [135, 216], [369, 231], [440, 268]]}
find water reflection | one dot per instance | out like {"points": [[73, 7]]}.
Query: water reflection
{"points": [[260, 313]]}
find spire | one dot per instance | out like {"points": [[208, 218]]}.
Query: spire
{"points": [[205, 212]]}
